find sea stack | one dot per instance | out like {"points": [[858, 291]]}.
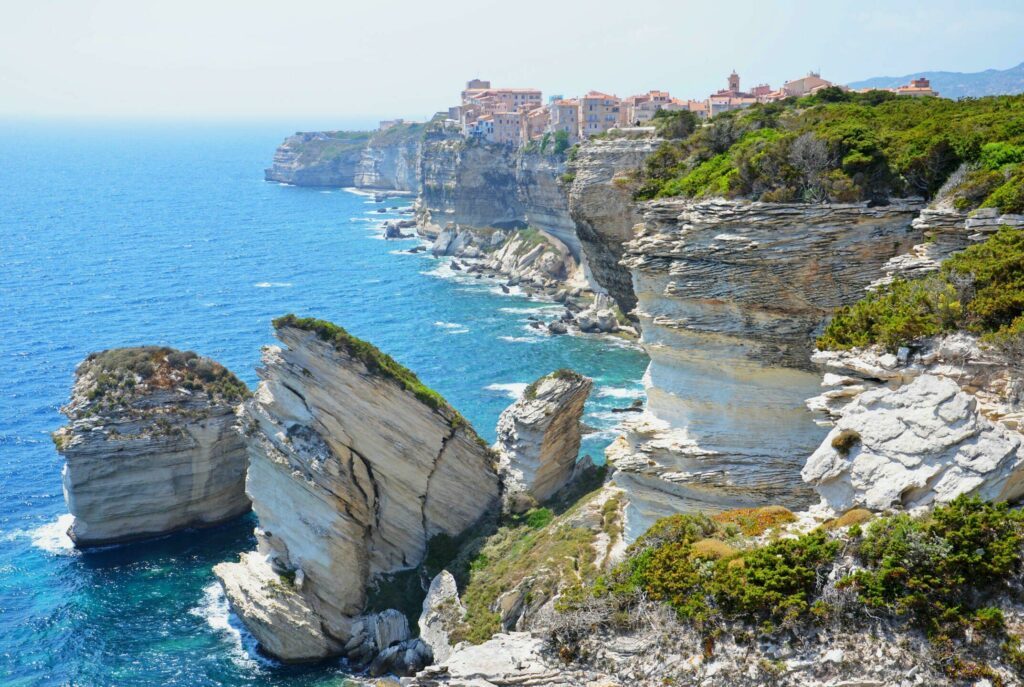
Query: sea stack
{"points": [[151, 445], [539, 438], [355, 466]]}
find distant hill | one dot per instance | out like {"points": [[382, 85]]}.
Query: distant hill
{"points": [[958, 84]]}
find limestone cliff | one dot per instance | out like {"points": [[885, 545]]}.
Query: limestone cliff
{"points": [[319, 158], [600, 202], [391, 159], [354, 467], [919, 428], [539, 438], [151, 446], [470, 182], [730, 296]]}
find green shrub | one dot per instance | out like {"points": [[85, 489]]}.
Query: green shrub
{"points": [[980, 289], [538, 518], [871, 146], [937, 570]]}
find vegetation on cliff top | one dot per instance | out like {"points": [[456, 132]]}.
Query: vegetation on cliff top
{"points": [[376, 361], [330, 145], [846, 147], [980, 290], [943, 573], [530, 393], [120, 374]]}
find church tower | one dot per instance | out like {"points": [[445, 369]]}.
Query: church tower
{"points": [[734, 82]]}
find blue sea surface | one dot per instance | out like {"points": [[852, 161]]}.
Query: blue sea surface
{"points": [[119, 235]]}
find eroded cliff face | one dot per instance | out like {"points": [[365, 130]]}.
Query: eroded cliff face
{"points": [[539, 438], [469, 182], [151, 446], [919, 428], [391, 159], [730, 296], [353, 469], [601, 205], [319, 158]]}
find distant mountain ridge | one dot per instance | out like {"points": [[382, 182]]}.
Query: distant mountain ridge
{"points": [[958, 84]]}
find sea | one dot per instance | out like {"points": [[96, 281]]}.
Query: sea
{"points": [[167, 234]]}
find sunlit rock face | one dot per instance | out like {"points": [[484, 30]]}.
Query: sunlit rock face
{"points": [[352, 472], [730, 296], [602, 207], [151, 445], [919, 428]]}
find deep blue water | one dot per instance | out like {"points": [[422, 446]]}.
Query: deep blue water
{"points": [[125, 235]]}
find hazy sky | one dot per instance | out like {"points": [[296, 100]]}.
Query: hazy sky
{"points": [[303, 59]]}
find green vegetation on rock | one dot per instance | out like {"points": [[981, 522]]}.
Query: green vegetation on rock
{"points": [[945, 573], [980, 289], [846, 147], [118, 374], [530, 393]]}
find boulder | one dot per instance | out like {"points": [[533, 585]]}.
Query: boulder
{"points": [[354, 467], [279, 616], [921, 443]]}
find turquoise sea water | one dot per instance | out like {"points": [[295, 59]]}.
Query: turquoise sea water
{"points": [[125, 235]]}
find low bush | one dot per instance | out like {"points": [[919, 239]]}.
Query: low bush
{"points": [[980, 289], [844, 147]]}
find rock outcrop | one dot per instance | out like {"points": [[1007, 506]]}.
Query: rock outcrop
{"points": [[354, 467], [600, 201], [319, 158], [469, 182], [151, 445], [391, 159], [442, 612], [539, 438], [730, 297], [919, 428]]}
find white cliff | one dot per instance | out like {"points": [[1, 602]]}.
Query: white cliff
{"points": [[919, 428], [539, 438], [354, 467], [730, 297], [151, 446]]}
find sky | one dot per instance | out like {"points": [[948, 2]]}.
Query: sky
{"points": [[338, 60]]}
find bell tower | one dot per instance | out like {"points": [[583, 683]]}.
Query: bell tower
{"points": [[734, 82]]}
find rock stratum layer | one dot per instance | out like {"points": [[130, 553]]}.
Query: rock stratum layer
{"points": [[151, 445], [354, 467], [730, 297]]}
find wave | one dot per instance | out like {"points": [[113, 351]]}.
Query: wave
{"points": [[53, 537], [215, 611], [273, 284], [522, 339], [619, 392], [513, 391], [536, 310]]}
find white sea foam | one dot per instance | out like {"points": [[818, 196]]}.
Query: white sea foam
{"points": [[452, 327], [513, 391], [215, 611], [618, 392], [273, 284], [522, 339], [53, 537], [537, 310]]}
